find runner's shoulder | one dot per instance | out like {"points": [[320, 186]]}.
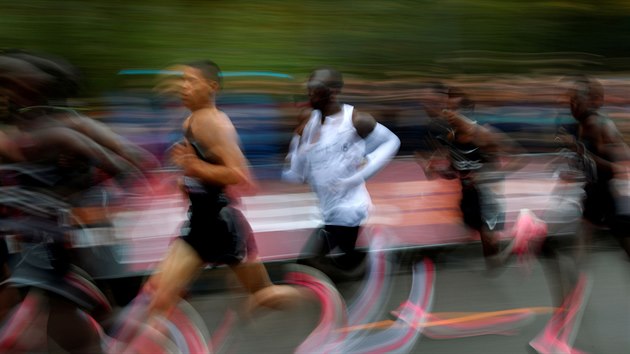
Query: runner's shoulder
{"points": [[363, 122]]}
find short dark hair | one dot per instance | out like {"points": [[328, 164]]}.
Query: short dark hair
{"points": [[66, 78], [591, 88], [466, 102], [335, 77], [209, 69], [436, 86]]}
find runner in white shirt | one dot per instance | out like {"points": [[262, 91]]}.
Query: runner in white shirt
{"points": [[336, 150]]}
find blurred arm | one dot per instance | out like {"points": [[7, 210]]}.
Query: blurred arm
{"points": [[55, 140], [381, 146], [380, 143], [613, 146], [221, 141], [504, 148], [9, 150], [104, 136], [295, 163]]}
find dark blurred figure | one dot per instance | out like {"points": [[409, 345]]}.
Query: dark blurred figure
{"points": [[603, 157], [596, 160], [47, 107], [59, 155], [336, 150], [475, 155]]}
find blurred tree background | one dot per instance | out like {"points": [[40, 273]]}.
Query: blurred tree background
{"points": [[373, 39]]}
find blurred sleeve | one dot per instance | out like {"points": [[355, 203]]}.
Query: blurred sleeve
{"points": [[295, 163], [381, 147]]}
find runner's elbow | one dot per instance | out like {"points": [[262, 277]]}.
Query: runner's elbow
{"points": [[237, 176]]}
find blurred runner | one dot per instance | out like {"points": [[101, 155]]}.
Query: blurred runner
{"points": [[54, 170], [216, 233], [597, 160], [477, 155], [603, 157], [336, 150], [54, 111]]}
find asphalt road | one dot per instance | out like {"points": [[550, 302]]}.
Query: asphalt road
{"points": [[463, 291]]}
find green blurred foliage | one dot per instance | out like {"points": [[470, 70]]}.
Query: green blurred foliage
{"points": [[376, 39]]}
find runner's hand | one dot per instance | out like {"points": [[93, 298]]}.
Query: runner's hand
{"points": [[182, 154], [565, 139]]}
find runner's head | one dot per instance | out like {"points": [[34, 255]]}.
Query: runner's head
{"points": [[458, 100], [586, 96], [209, 70], [28, 79], [201, 80], [323, 87], [65, 77], [434, 97], [22, 84]]}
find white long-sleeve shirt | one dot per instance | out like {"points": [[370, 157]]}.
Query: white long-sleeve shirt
{"points": [[336, 161]]}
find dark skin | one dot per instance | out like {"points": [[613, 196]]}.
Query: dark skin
{"points": [[98, 133], [53, 141], [323, 89], [489, 140], [22, 86], [108, 139], [463, 130], [49, 143], [43, 128], [35, 138], [608, 144], [608, 149], [51, 146]]}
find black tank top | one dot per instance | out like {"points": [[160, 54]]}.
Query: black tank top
{"points": [[203, 195], [466, 158]]}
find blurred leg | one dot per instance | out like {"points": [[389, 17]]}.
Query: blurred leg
{"points": [[69, 329], [347, 240], [255, 279], [489, 242], [177, 270], [314, 252], [568, 284], [252, 275], [560, 271], [9, 296], [620, 228]]}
